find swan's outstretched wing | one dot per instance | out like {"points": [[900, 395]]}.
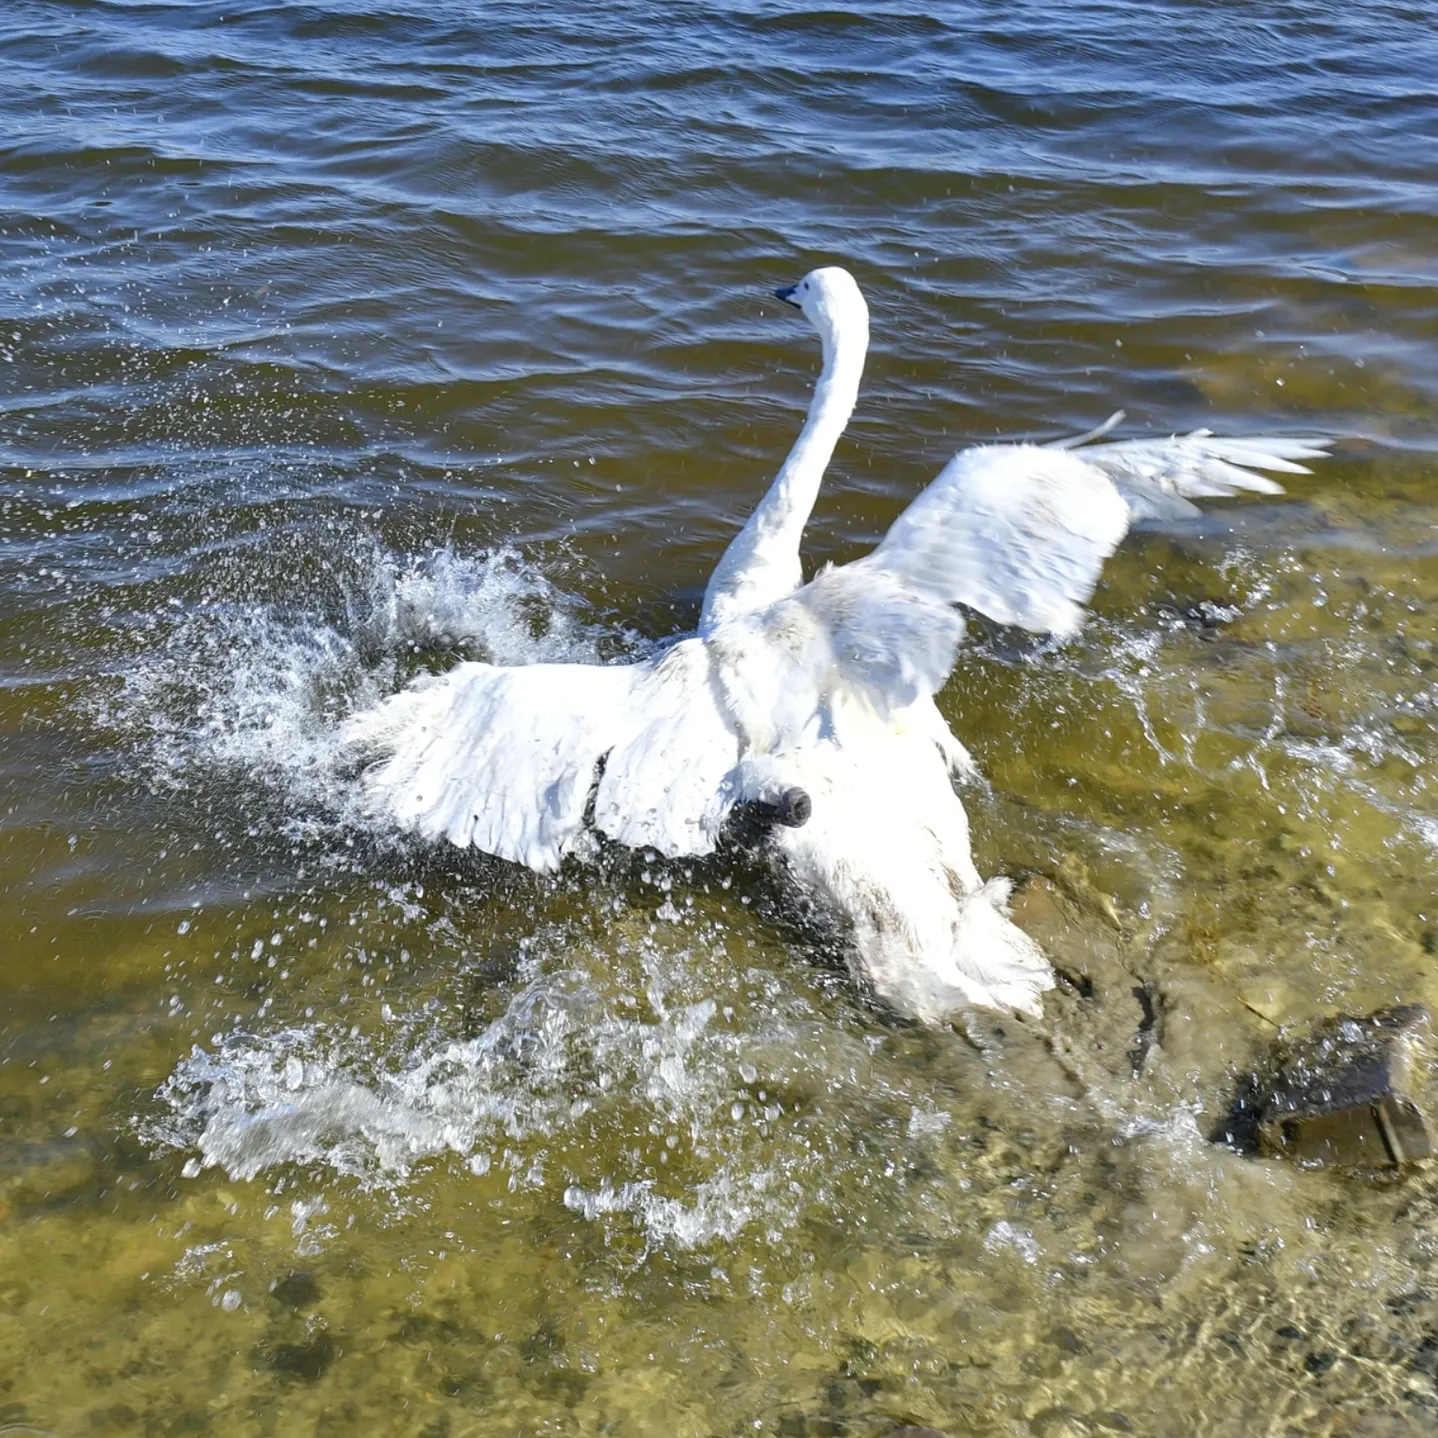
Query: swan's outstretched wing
{"points": [[505, 759], [502, 759], [667, 782], [1018, 532]]}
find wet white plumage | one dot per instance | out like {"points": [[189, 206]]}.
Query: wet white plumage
{"points": [[826, 686]]}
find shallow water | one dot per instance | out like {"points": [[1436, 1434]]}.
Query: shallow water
{"points": [[337, 340]]}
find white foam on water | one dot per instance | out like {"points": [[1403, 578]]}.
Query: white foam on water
{"points": [[1135, 656], [1014, 1238], [262, 1106], [719, 1210], [497, 603], [532, 1098]]}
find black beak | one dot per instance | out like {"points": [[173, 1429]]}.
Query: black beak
{"points": [[787, 295]]}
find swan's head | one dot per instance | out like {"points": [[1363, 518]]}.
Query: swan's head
{"points": [[830, 300]]}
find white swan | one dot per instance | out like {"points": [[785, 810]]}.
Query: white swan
{"points": [[810, 703]]}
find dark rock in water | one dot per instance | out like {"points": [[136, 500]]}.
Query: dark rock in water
{"points": [[1207, 618], [301, 1360], [1059, 1422], [296, 1290], [117, 1415], [1065, 1338], [909, 1431], [1114, 1422], [1353, 1091]]}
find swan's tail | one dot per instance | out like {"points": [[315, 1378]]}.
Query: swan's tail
{"points": [[981, 959], [1010, 967], [887, 848]]}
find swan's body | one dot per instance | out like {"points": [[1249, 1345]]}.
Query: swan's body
{"points": [[825, 687]]}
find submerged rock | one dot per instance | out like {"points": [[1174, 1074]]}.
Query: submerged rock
{"points": [[296, 1290], [1352, 1091], [309, 1360]]}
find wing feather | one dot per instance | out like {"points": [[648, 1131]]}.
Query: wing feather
{"points": [[668, 783], [504, 759], [1159, 476], [1017, 532], [499, 758]]}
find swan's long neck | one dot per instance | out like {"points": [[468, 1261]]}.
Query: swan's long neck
{"points": [[761, 563]]}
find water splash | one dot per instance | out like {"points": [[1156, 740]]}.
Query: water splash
{"points": [[254, 691], [582, 1050]]}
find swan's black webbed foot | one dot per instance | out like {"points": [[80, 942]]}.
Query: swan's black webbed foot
{"points": [[752, 819]]}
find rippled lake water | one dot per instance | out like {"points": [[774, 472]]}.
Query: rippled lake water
{"points": [[339, 339]]}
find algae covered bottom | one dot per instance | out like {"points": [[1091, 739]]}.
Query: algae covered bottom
{"points": [[341, 340]]}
